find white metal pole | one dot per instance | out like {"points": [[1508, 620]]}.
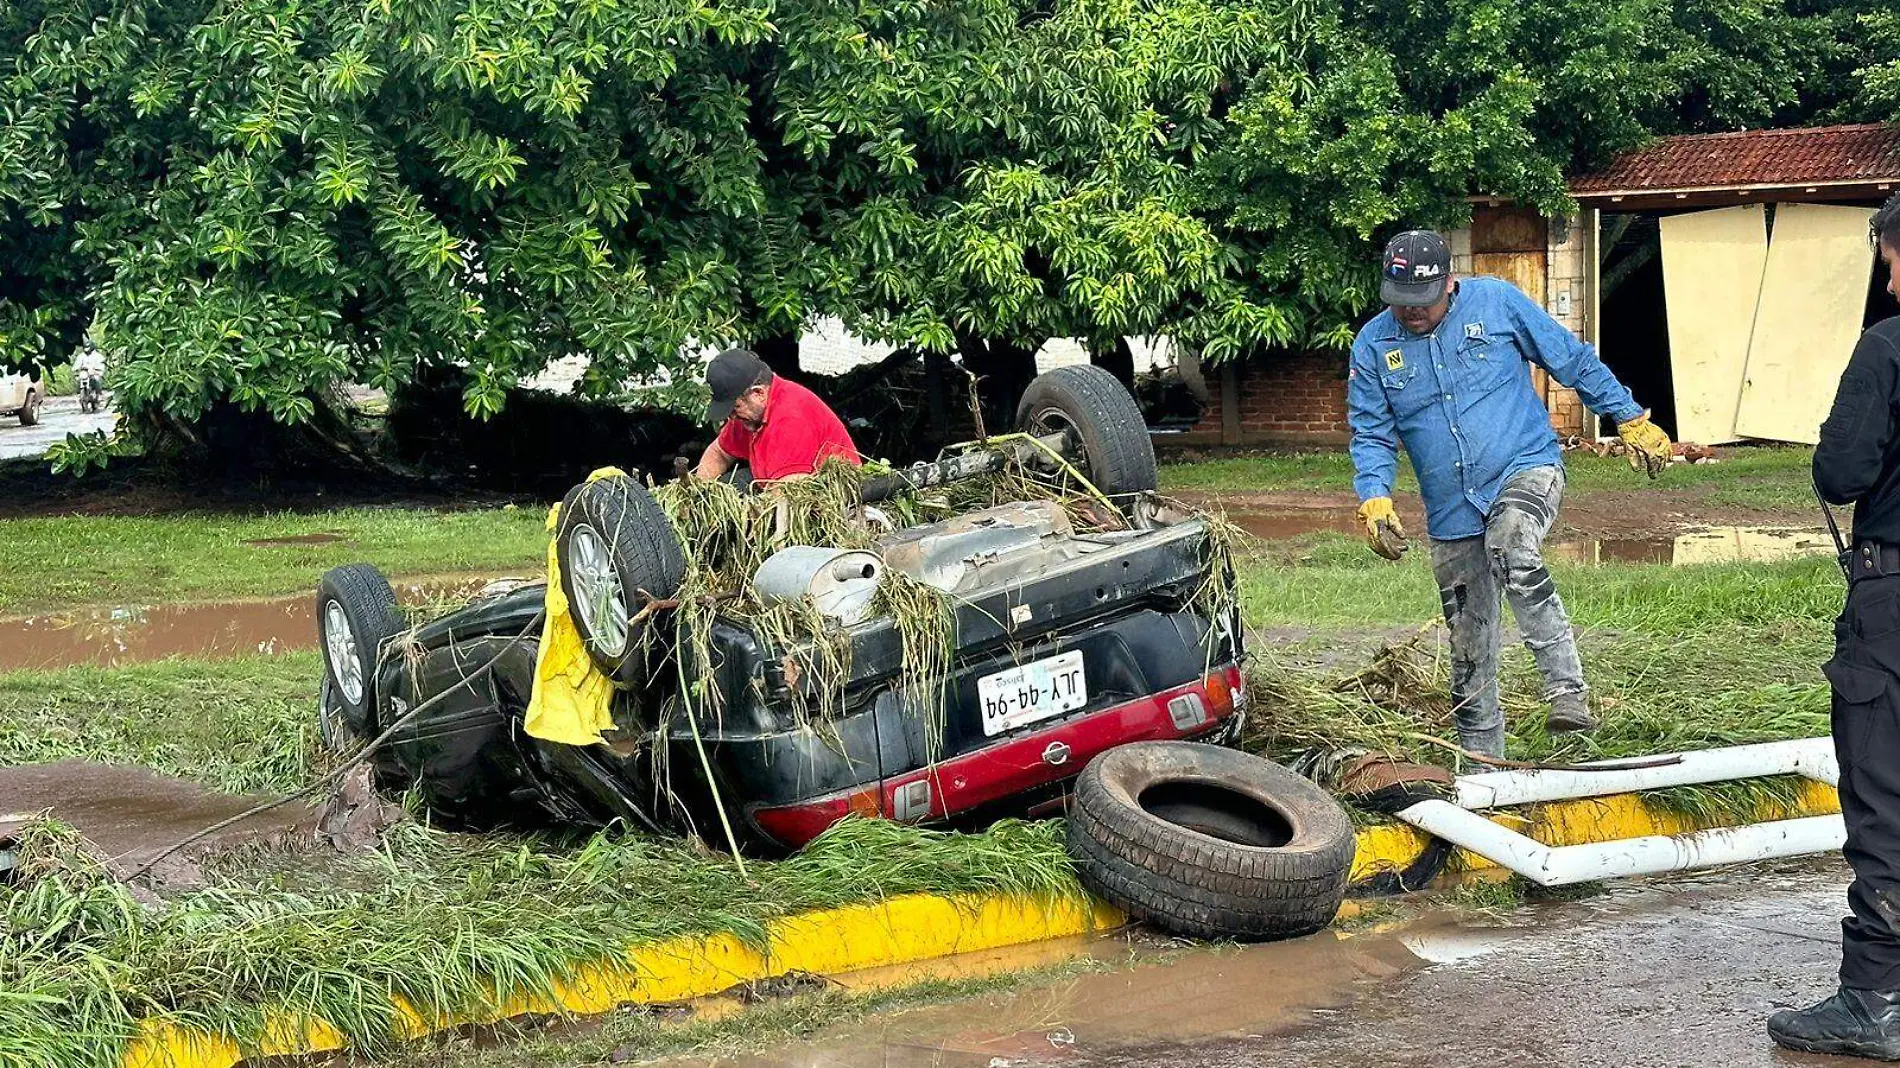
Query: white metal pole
{"points": [[1563, 865], [1810, 757]]}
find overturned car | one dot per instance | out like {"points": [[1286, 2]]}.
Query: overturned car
{"points": [[1071, 636]]}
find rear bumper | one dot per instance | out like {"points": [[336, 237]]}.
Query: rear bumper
{"points": [[1017, 765]]}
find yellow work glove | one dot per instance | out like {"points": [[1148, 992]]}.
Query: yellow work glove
{"points": [[1649, 446], [1384, 532]]}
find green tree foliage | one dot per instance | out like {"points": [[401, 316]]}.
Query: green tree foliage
{"points": [[258, 200]]}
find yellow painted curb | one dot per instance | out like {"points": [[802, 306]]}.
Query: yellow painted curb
{"points": [[1563, 823], [898, 931], [902, 930]]}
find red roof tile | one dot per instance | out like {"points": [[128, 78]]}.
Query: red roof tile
{"points": [[1827, 154]]}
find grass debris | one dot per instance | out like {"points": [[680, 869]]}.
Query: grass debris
{"points": [[449, 924]]}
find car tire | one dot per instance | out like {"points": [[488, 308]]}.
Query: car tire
{"points": [[1102, 418], [616, 549], [334, 732], [356, 617], [30, 415], [1210, 842]]}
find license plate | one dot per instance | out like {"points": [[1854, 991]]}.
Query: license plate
{"points": [[1032, 692]]}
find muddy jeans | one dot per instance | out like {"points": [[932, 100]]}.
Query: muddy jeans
{"points": [[1505, 563]]}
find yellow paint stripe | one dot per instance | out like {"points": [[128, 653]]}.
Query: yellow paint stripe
{"points": [[899, 931]]}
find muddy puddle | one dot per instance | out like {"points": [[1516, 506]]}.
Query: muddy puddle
{"points": [[130, 815], [1187, 997], [114, 637], [323, 538], [1711, 545]]}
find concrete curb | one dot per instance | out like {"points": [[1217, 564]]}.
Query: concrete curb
{"points": [[899, 931], [902, 930]]}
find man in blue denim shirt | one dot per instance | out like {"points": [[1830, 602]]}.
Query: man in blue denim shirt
{"points": [[1445, 371]]}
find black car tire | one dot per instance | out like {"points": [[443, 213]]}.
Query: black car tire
{"points": [[334, 732], [1210, 842], [632, 537], [363, 600], [1103, 418], [30, 415]]}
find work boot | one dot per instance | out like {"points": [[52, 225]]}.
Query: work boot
{"points": [[1854, 1023], [1569, 713]]}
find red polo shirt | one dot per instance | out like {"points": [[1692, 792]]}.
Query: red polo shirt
{"points": [[799, 433]]}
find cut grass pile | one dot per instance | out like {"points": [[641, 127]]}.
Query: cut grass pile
{"points": [[86, 560], [448, 924]]}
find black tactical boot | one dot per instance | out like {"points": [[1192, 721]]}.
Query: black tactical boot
{"points": [[1855, 1023], [1569, 713]]}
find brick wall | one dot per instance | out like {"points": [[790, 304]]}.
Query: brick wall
{"points": [[1283, 400]]}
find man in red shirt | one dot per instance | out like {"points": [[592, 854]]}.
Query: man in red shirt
{"points": [[777, 426]]}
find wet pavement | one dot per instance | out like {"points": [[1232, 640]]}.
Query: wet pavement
{"points": [[59, 417], [1663, 973], [113, 637]]}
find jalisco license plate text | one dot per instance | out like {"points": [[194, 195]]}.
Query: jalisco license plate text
{"points": [[1032, 692]]}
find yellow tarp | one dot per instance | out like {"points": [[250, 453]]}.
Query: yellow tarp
{"points": [[572, 698]]}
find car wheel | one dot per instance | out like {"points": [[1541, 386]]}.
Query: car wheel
{"points": [[1210, 842], [333, 725], [30, 415], [356, 617], [1102, 422], [616, 549]]}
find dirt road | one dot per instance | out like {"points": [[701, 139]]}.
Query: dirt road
{"points": [[1663, 974], [61, 416]]}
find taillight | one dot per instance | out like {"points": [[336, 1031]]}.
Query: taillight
{"points": [[1220, 693], [794, 825]]}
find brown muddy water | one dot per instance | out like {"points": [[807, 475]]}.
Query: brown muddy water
{"points": [[1709, 545], [1152, 999], [128, 815], [1663, 973], [325, 538], [114, 637]]}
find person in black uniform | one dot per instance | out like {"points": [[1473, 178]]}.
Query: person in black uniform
{"points": [[1858, 462]]}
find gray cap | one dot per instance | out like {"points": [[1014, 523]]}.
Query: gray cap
{"points": [[1417, 270]]}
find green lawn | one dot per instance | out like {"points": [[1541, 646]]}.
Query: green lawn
{"points": [[81, 560], [1771, 477], [239, 725]]}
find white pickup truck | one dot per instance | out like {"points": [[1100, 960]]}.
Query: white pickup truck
{"points": [[21, 395]]}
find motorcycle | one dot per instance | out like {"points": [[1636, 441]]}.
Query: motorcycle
{"points": [[92, 391]]}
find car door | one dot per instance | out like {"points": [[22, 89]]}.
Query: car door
{"points": [[12, 392]]}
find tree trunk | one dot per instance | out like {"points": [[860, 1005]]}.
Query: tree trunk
{"points": [[780, 353], [938, 377], [1003, 370], [1117, 359]]}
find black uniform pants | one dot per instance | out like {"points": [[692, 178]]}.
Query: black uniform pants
{"points": [[1865, 674]]}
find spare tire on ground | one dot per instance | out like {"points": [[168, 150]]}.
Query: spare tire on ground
{"points": [[1210, 842], [1104, 424], [617, 551]]}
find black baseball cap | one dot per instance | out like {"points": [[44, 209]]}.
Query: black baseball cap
{"points": [[731, 373], [1417, 270]]}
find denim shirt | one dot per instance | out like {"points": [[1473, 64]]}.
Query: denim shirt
{"points": [[1460, 400]]}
